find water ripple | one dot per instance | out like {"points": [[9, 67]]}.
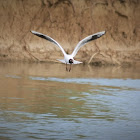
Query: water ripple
{"points": [[131, 83]]}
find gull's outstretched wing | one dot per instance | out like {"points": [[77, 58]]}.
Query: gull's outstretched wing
{"points": [[86, 40], [49, 39]]}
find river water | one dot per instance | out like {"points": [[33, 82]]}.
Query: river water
{"points": [[43, 101]]}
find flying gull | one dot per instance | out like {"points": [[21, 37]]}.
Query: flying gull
{"points": [[69, 58]]}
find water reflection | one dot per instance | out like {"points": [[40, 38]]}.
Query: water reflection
{"points": [[43, 101], [58, 70]]}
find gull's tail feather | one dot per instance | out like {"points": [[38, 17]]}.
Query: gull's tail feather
{"points": [[61, 60], [77, 62]]}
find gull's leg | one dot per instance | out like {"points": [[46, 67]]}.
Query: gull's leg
{"points": [[70, 68], [66, 67]]}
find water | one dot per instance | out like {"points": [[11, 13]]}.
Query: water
{"points": [[43, 101]]}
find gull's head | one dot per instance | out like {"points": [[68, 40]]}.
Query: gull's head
{"points": [[70, 61]]}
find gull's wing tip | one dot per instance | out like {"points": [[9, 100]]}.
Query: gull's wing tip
{"points": [[103, 32], [33, 32]]}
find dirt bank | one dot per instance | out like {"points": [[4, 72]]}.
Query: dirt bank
{"points": [[69, 21]]}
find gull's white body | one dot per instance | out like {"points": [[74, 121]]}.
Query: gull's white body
{"points": [[67, 57]]}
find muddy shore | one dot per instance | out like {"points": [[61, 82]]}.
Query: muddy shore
{"points": [[68, 22]]}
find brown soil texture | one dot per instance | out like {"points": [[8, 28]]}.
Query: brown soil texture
{"points": [[68, 22]]}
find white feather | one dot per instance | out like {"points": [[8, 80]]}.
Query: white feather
{"points": [[79, 45], [86, 40]]}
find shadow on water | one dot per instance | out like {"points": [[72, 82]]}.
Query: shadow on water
{"points": [[43, 101]]}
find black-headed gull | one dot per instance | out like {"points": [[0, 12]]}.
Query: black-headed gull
{"points": [[69, 58]]}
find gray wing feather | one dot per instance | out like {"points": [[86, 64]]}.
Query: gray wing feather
{"points": [[49, 39], [86, 40]]}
